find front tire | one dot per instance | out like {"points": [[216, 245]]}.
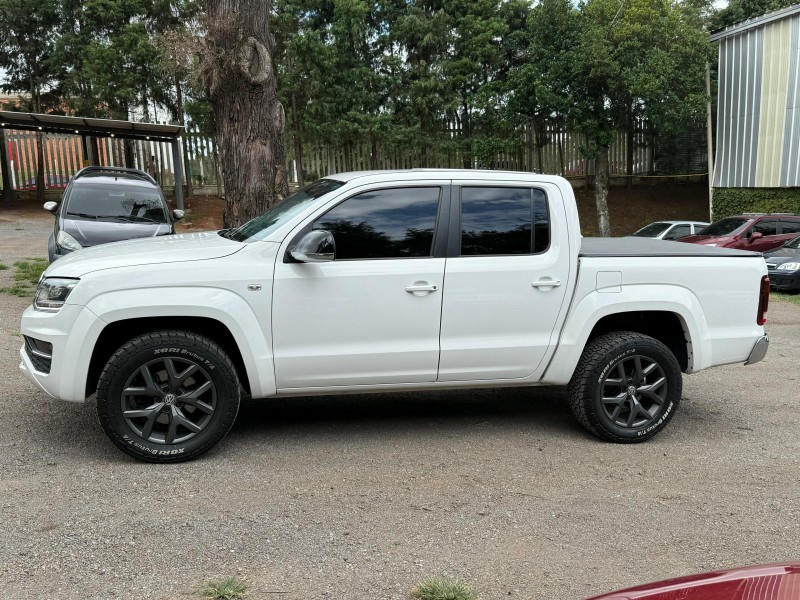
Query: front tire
{"points": [[626, 387], [168, 396]]}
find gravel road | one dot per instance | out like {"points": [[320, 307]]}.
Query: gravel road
{"points": [[362, 496]]}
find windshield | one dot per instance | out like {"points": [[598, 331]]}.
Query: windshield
{"points": [[724, 227], [794, 244], [259, 228], [116, 202], [652, 230]]}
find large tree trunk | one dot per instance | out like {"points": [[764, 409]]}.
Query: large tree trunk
{"points": [[250, 121], [629, 151], [601, 190], [187, 165], [298, 143]]}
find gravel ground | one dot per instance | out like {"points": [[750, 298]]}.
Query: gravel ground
{"points": [[363, 496]]}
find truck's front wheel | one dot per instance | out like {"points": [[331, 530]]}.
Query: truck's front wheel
{"points": [[626, 387], [168, 396]]}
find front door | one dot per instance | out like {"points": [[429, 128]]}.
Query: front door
{"points": [[505, 282], [372, 315]]}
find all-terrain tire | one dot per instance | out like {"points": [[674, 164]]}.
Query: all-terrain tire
{"points": [[168, 396], [626, 387]]}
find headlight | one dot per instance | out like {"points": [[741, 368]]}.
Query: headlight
{"points": [[710, 244], [52, 293], [67, 242], [790, 266]]}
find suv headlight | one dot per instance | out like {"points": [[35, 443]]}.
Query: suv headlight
{"points": [[67, 242], [52, 293], [790, 266]]}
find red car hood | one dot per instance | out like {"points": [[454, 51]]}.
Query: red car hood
{"points": [[780, 581]]}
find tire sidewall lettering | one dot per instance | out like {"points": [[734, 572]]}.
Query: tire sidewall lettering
{"points": [[160, 352]]}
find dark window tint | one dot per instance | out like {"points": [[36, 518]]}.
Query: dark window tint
{"points": [[396, 223], [789, 227], [724, 227], [765, 228], [116, 202], [678, 231], [503, 221]]}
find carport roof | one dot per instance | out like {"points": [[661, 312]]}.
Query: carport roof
{"points": [[89, 126]]}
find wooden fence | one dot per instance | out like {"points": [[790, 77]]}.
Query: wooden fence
{"points": [[552, 149]]}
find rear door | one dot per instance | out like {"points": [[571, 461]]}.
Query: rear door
{"points": [[506, 277]]}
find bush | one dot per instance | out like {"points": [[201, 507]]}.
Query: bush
{"points": [[440, 588], [734, 201]]}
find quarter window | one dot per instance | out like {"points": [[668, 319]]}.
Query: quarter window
{"points": [[392, 223], [497, 220]]}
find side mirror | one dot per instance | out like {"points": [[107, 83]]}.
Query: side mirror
{"points": [[756, 235], [50, 206], [178, 214], [315, 246]]}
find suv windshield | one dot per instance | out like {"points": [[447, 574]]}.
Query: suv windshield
{"points": [[116, 201], [259, 228], [652, 230], [724, 227], [794, 244]]}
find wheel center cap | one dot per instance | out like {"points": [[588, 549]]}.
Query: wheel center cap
{"points": [[169, 399], [631, 390]]}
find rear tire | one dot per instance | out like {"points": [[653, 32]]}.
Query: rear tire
{"points": [[168, 396], [626, 387]]}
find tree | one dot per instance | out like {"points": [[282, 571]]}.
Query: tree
{"points": [[629, 58], [26, 53], [240, 79], [740, 10]]}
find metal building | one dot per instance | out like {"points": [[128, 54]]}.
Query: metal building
{"points": [[758, 102]]}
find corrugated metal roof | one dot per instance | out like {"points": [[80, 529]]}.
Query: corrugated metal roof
{"points": [[743, 26], [97, 127]]}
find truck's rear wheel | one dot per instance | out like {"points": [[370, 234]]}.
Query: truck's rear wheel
{"points": [[168, 396], [626, 387]]}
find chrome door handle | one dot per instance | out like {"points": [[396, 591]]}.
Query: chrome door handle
{"points": [[421, 288], [546, 283]]}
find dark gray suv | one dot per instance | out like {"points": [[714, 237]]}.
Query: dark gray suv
{"points": [[108, 204]]}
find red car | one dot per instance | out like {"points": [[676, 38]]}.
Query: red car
{"points": [[779, 581], [757, 232]]}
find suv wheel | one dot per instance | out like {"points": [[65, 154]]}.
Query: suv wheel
{"points": [[168, 396], [626, 387]]}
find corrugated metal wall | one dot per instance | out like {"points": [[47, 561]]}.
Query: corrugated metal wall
{"points": [[758, 107]]}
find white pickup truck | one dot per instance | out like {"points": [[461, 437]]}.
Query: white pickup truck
{"points": [[389, 281]]}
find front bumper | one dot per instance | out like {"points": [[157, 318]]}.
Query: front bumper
{"points": [[72, 331], [759, 351]]}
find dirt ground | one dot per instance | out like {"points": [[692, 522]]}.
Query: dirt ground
{"points": [[361, 497]]}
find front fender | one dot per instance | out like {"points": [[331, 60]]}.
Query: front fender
{"points": [[634, 298], [252, 336]]}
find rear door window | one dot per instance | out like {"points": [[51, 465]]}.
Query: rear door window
{"points": [[503, 221], [790, 227]]}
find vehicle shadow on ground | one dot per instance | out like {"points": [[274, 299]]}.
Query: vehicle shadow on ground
{"points": [[450, 411]]}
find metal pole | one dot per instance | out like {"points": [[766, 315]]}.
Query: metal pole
{"points": [[177, 169], [710, 145], [8, 191]]}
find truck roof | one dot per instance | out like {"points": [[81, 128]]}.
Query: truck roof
{"points": [[446, 174]]}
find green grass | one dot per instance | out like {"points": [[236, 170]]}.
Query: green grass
{"points": [[224, 588], [441, 588], [3, 267], [26, 277], [792, 298]]}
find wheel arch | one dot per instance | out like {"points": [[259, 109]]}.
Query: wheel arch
{"points": [[116, 333]]}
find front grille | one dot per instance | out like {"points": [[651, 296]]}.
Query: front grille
{"points": [[37, 352]]}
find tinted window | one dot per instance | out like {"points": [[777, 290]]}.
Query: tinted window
{"points": [[678, 231], [96, 201], [396, 223], [260, 227], [503, 221], [652, 230], [789, 227], [765, 228], [724, 227]]}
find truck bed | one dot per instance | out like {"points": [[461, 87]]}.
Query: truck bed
{"points": [[647, 247]]}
